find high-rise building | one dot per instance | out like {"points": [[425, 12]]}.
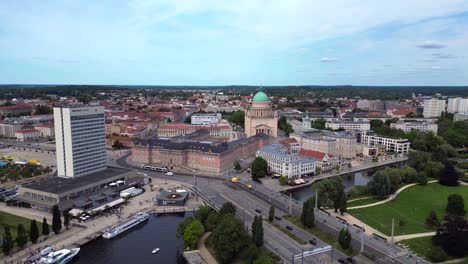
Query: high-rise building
{"points": [[80, 140], [433, 107], [457, 105]]}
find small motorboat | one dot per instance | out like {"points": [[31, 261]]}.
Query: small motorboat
{"points": [[155, 250]]}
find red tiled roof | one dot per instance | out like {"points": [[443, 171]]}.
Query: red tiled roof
{"points": [[312, 154], [287, 141]]}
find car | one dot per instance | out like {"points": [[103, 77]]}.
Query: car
{"points": [[278, 218], [313, 241], [258, 211], [342, 260], [350, 260], [289, 228], [170, 173]]}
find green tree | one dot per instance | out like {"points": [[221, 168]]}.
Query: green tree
{"points": [[258, 235], [448, 176], [259, 168], [237, 166], [319, 123], [22, 238], [45, 227], [432, 222], [182, 226], [455, 205], [452, 235], [283, 180], [343, 203], [56, 220], [33, 232], [421, 178], [212, 221], [228, 238], [237, 118], [264, 260], [433, 169], [380, 185], [7, 244], [271, 214], [203, 213], [66, 218], [227, 208], [192, 233], [329, 191], [344, 239], [307, 216], [418, 159]]}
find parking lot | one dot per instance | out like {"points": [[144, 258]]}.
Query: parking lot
{"points": [[20, 154]]}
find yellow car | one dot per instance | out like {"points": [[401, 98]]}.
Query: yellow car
{"points": [[250, 186]]}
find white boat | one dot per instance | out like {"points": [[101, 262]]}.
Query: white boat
{"points": [[140, 217], [62, 256], [46, 251], [155, 250]]}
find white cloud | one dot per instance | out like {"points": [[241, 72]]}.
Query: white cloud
{"points": [[328, 59], [436, 68]]}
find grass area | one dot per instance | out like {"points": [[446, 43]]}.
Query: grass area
{"points": [[367, 200], [13, 221], [326, 237], [289, 234], [423, 247], [411, 207]]}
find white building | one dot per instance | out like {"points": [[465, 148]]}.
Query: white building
{"points": [[80, 140], [286, 164], [206, 119], [457, 105], [421, 126], [460, 116], [348, 125], [27, 134], [433, 107], [389, 144]]}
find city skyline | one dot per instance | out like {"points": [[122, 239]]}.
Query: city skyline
{"points": [[246, 43]]}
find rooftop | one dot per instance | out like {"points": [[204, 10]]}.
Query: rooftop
{"points": [[260, 97]]}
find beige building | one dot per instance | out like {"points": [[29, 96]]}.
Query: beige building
{"points": [[341, 144], [9, 130], [260, 117], [27, 134]]}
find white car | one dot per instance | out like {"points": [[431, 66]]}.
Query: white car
{"points": [[169, 173]]}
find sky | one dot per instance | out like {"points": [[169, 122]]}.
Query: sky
{"points": [[241, 42]]}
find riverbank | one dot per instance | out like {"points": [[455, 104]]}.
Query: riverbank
{"points": [[82, 233]]}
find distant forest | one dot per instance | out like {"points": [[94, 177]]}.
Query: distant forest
{"points": [[86, 92]]}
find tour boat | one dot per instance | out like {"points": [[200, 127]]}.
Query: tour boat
{"points": [[140, 217]]}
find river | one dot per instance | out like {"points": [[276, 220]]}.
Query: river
{"points": [[135, 245]]}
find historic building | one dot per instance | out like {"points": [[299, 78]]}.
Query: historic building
{"points": [[260, 117]]}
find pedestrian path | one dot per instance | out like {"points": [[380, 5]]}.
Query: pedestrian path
{"points": [[204, 251], [410, 236]]}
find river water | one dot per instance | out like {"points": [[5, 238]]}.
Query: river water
{"points": [[135, 245], [349, 181]]}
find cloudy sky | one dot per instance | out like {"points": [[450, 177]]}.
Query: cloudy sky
{"points": [[214, 42]]}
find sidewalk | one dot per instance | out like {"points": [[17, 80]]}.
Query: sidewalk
{"points": [[204, 251]]}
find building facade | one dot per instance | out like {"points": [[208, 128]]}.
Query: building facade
{"points": [[47, 130], [260, 118], [287, 164], [345, 125], [401, 146], [27, 135], [421, 126], [80, 140], [457, 105], [205, 119], [433, 107], [8, 130], [460, 116], [341, 144], [218, 131]]}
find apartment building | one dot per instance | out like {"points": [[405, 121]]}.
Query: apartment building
{"points": [[341, 144], [286, 164], [219, 131], [27, 135], [433, 107], [47, 130], [460, 116], [457, 105], [348, 125], [9, 129], [421, 126], [206, 119], [80, 140], [389, 144]]}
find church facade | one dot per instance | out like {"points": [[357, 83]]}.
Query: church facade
{"points": [[260, 117]]}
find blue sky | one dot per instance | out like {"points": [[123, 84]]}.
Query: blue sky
{"points": [[213, 42]]}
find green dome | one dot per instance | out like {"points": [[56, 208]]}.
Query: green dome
{"points": [[260, 97]]}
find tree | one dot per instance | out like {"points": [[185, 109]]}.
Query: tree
{"points": [[319, 123], [455, 205], [66, 218], [343, 203], [182, 226], [418, 159], [350, 165], [259, 168], [307, 216], [203, 213], [33, 231], [56, 220], [344, 238], [228, 238], [45, 227], [264, 260], [237, 117], [329, 191], [337, 167], [7, 244], [237, 166], [227, 208], [22, 238], [283, 180], [212, 221], [448, 176], [192, 233], [380, 185], [452, 235], [432, 222], [271, 214], [257, 231]]}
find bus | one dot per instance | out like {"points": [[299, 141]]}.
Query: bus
{"points": [[155, 168]]}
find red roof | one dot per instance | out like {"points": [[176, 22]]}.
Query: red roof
{"points": [[312, 154], [287, 141], [121, 138]]}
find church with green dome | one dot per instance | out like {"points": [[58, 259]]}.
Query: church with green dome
{"points": [[260, 118]]}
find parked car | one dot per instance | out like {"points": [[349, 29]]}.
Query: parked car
{"points": [[258, 211], [278, 218], [313, 241], [289, 228]]}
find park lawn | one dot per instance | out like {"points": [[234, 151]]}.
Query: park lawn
{"points": [[368, 200], [411, 206], [422, 246], [13, 221]]}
